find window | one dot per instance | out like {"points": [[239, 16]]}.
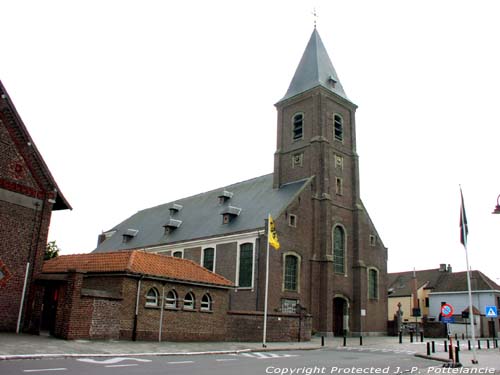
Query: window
{"points": [[289, 306], [208, 258], [372, 283], [298, 126], [291, 275], [338, 186], [338, 127], [338, 249], [206, 303], [177, 254], [426, 301], [246, 265], [292, 220], [373, 240], [171, 299], [189, 301], [152, 298]]}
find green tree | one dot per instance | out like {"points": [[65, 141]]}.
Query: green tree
{"points": [[51, 251]]}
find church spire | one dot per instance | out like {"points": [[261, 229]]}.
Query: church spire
{"points": [[315, 69]]}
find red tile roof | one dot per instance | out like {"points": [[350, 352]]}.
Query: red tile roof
{"points": [[137, 262]]}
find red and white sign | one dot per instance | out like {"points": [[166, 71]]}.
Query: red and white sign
{"points": [[447, 310]]}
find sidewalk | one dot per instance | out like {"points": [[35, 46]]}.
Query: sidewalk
{"points": [[14, 346]]}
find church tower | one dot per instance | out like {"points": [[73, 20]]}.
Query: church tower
{"points": [[317, 138]]}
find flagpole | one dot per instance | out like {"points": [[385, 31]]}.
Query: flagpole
{"points": [[267, 284], [463, 224]]}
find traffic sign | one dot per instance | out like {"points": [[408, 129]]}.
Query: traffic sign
{"points": [[447, 310], [448, 319], [491, 312]]}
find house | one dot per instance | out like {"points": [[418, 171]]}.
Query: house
{"points": [[28, 195], [332, 263]]}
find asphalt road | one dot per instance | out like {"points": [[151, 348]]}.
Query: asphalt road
{"points": [[325, 361]]}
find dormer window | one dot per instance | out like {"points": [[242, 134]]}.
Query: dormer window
{"points": [[174, 208], [229, 213], [172, 225], [224, 196], [298, 126], [129, 235]]}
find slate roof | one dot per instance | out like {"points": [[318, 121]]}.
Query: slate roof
{"points": [[315, 69], [457, 282], [401, 283], [136, 262], [201, 215]]}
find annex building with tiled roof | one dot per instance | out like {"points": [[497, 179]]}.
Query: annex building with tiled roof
{"points": [[332, 263]]}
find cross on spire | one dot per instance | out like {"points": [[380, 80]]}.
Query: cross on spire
{"points": [[315, 15]]}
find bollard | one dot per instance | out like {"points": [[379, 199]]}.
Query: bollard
{"points": [[479, 344], [421, 337], [456, 336], [361, 340], [400, 337], [433, 347], [468, 342], [463, 336], [450, 351], [345, 340], [496, 343], [458, 345], [488, 343], [411, 336], [322, 340], [428, 348], [457, 355], [445, 345]]}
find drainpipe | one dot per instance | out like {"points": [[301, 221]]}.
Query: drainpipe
{"points": [[161, 311], [134, 329]]}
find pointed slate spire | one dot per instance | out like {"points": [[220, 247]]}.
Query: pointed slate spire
{"points": [[315, 69]]}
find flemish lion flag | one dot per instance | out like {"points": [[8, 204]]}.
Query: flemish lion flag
{"points": [[272, 235]]}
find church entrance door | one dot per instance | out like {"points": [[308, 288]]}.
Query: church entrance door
{"points": [[339, 310]]}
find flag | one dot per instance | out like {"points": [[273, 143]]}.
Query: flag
{"points": [[463, 222], [272, 236]]}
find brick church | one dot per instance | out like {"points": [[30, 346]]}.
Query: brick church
{"points": [[332, 264]]}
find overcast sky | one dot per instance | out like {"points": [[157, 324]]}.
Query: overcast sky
{"points": [[137, 103]]}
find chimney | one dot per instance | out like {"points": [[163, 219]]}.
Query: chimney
{"points": [[442, 267], [449, 269]]}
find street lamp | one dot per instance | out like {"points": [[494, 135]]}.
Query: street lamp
{"points": [[497, 207]]}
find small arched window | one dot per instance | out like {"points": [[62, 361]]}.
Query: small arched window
{"points": [[177, 254], [171, 299], [152, 298], [291, 275], [189, 302], [338, 249], [206, 303], [338, 127], [298, 126], [372, 283]]}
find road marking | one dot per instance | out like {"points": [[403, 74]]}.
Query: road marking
{"points": [[226, 359], [47, 369], [258, 355], [179, 362], [112, 360], [131, 364]]}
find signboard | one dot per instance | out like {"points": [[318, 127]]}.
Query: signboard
{"points": [[448, 319], [447, 310], [491, 312]]}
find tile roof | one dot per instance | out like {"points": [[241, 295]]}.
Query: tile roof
{"points": [[136, 262], [201, 215], [457, 282], [401, 283]]}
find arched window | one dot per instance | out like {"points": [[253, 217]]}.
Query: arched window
{"points": [[298, 126], [208, 258], [338, 127], [206, 303], [245, 271], [189, 301], [177, 254], [291, 274], [152, 298], [338, 249], [171, 299], [372, 283]]}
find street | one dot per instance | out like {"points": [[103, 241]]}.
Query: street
{"points": [[325, 361]]}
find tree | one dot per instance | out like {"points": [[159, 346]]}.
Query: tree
{"points": [[51, 251]]}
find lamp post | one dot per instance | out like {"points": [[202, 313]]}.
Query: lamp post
{"points": [[497, 207]]}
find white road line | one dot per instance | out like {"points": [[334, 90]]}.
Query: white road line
{"points": [[179, 362], [47, 369], [132, 364]]}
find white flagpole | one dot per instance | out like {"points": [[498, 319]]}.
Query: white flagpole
{"points": [[471, 311], [267, 283]]}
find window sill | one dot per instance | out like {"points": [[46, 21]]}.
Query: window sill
{"points": [[152, 307], [189, 310], [207, 311]]}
